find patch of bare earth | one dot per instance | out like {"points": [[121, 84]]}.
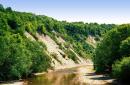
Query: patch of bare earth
{"points": [[53, 48], [91, 40], [88, 76], [14, 83]]}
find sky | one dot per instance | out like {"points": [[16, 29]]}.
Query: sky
{"points": [[100, 11]]}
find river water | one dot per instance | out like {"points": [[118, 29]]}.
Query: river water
{"points": [[71, 76]]}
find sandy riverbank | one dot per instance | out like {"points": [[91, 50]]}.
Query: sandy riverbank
{"points": [[85, 73]]}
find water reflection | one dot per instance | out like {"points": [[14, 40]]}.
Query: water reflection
{"points": [[73, 76], [61, 77]]}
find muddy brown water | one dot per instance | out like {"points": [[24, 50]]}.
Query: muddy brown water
{"points": [[71, 76]]}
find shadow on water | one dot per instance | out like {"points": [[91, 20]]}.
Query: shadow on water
{"points": [[102, 77]]}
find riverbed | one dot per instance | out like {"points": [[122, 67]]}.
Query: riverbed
{"points": [[77, 75], [80, 75]]}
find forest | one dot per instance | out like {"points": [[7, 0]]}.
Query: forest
{"points": [[20, 56]]}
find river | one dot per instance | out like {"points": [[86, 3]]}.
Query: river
{"points": [[80, 75]]}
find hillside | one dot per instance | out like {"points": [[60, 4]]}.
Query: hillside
{"points": [[37, 43]]}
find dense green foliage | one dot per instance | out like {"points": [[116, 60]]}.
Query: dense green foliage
{"points": [[114, 46], [20, 56], [125, 47], [110, 48], [121, 69]]}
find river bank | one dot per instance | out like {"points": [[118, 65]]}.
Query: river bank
{"points": [[23, 81], [73, 75]]}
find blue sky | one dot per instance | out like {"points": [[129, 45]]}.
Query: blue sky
{"points": [[100, 11]]}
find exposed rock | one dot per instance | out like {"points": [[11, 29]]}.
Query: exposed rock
{"points": [[91, 40], [29, 36], [59, 58]]}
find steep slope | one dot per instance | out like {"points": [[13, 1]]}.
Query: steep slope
{"points": [[34, 43], [53, 49], [59, 58]]}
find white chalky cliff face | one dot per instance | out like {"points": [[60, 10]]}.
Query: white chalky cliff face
{"points": [[61, 60]]}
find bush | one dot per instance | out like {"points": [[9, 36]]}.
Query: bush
{"points": [[108, 51], [20, 57], [121, 69], [125, 47], [40, 59], [15, 61], [13, 24], [72, 55], [42, 29]]}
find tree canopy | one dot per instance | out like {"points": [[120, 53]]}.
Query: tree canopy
{"points": [[113, 47]]}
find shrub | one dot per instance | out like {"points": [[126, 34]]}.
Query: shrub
{"points": [[108, 51], [14, 58], [72, 55], [121, 69], [125, 47], [40, 59], [19, 57], [13, 24]]}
